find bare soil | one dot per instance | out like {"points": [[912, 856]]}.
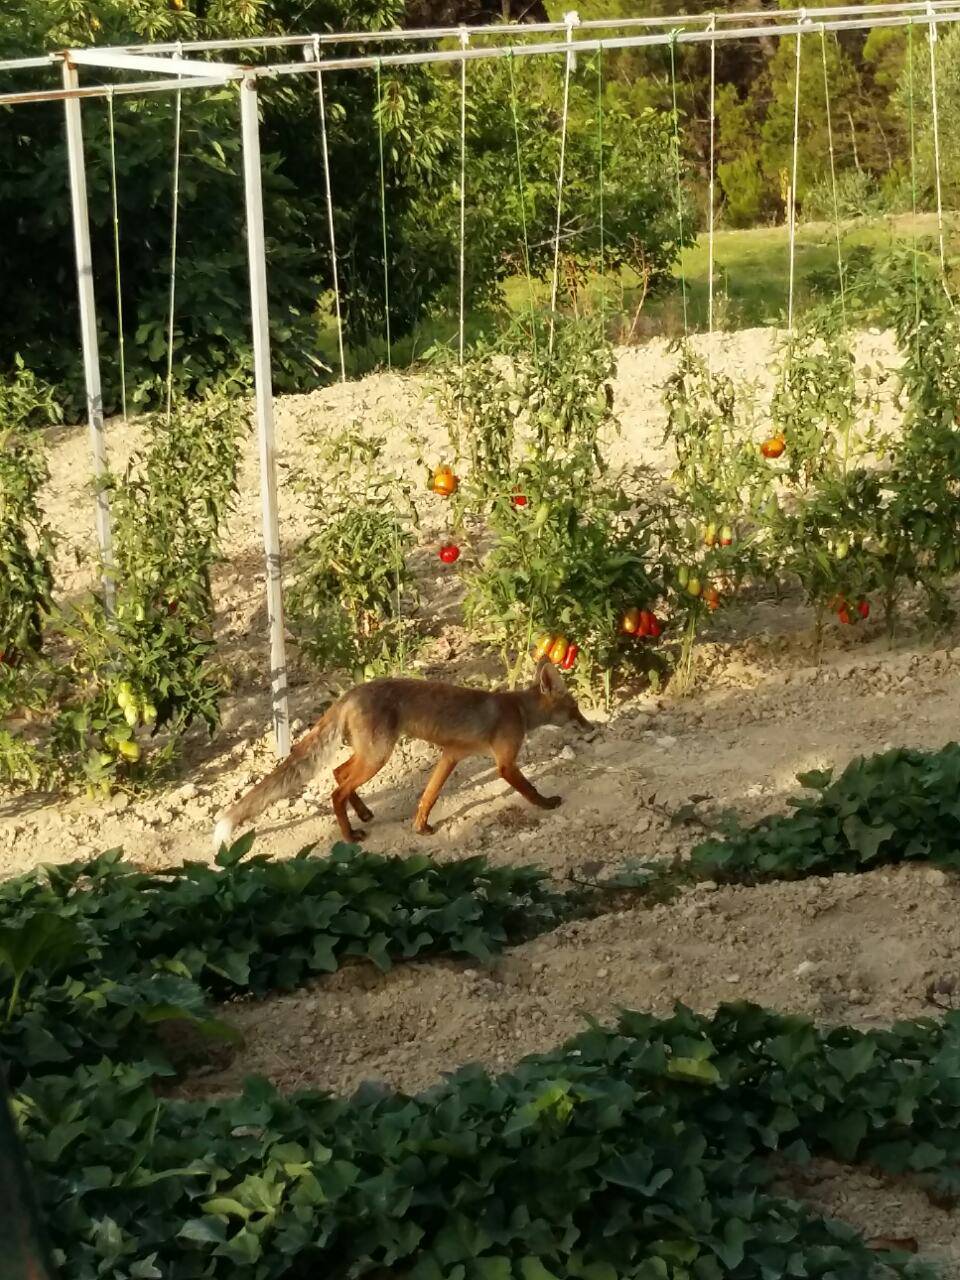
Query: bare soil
{"points": [[862, 949]]}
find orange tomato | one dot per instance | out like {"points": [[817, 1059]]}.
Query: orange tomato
{"points": [[445, 482], [646, 617], [773, 446], [712, 597]]}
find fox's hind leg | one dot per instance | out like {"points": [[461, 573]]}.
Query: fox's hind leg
{"points": [[360, 809], [349, 776]]}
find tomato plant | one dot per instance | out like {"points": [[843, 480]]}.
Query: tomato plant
{"points": [[715, 536], [815, 403], [922, 530], [118, 679], [26, 546], [553, 540], [518, 396], [351, 586]]}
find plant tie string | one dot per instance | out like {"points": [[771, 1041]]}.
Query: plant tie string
{"points": [[334, 270], [523, 204], [383, 214], [935, 113], [571, 20], [913, 189], [118, 283], [676, 164], [712, 202], [833, 174], [174, 236], [600, 182], [792, 211], [464, 41]]}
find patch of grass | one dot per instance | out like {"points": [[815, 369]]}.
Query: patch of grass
{"points": [[750, 287]]}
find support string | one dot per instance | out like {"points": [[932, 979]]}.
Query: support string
{"points": [[335, 273], [383, 215], [174, 237], [118, 283]]}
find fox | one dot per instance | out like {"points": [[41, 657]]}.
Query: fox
{"points": [[372, 717]]}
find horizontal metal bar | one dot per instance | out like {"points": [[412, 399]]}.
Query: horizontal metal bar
{"points": [[210, 46], [119, 60], [28, 64], [922, 18], [210, 74], [144, 87], [511, 30]]}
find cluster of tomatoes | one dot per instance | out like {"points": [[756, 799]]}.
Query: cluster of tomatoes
{"points": [[557, 648], [847, 613], [641, 623], [445, 484], [692, 585]]}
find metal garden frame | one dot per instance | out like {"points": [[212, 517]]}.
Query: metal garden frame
{"points": [[167, 68]]}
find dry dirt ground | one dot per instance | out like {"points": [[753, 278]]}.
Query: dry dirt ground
{"points": [[861, 949]]}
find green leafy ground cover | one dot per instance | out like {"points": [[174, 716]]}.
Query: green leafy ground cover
{"points": [[632, 1151]]}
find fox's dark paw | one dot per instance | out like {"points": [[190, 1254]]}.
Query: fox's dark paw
{"points": [[363, 813], [424, 829], [552, 802], [356, 835]]}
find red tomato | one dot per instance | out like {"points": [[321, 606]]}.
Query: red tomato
{"points": [[519, 499], [863, 608], [712, 597], [570, 657], [449, 553], [646, 617], [844, 616], [654, 627]]}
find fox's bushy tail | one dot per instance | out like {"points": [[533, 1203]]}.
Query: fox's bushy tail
{"points": [[290, 776]]}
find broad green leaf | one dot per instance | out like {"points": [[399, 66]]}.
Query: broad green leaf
{"points": [[695, 1070]]}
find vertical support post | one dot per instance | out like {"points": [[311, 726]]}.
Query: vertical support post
{"points": [[263, 376], [88, 326]]}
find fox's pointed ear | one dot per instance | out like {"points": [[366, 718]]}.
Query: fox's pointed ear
{"points": [[549, 678]]}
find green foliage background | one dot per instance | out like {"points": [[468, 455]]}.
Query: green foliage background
{"points": [[513, 114]]}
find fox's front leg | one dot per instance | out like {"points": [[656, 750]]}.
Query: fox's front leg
{"points": [[510, 772]]}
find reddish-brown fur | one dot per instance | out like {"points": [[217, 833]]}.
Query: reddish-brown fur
{"points": [[372, 718]]}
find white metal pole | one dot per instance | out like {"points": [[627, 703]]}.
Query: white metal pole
{"points": [[256, 248], [88, 327]]}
